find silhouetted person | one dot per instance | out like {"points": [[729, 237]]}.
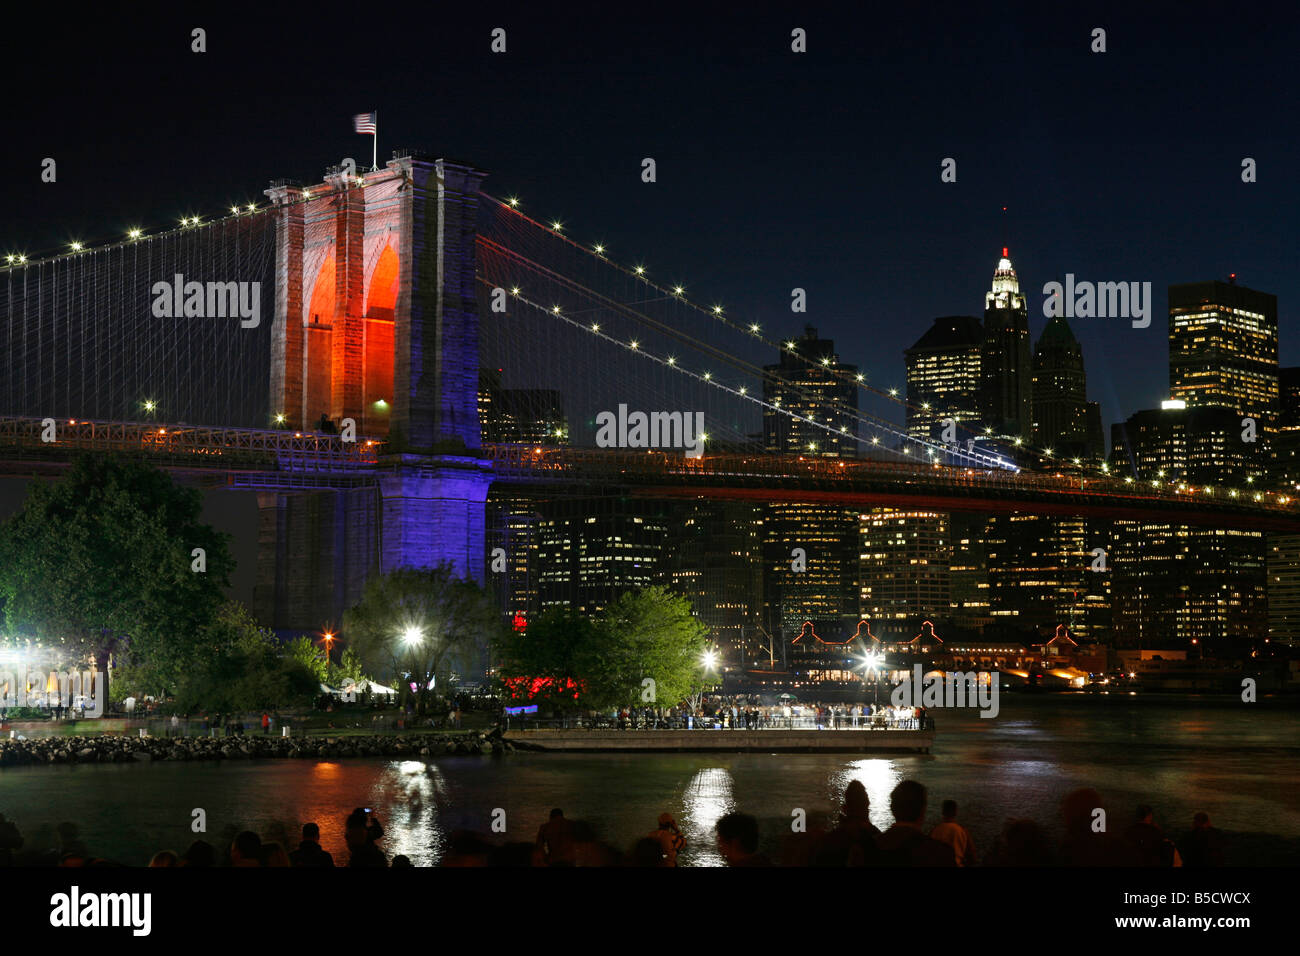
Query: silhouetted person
{"points": [[853, 842], [647, 851], [905, 843], [246, 850], [555, 840], [200, 853], [1148, 842], [1021, 843], [309, 852], [402, 862], [670, 839], [955, 835], [10, 840], [1086, 841], [360, 833], [737, 835], [1204, 845], [164, 858]]}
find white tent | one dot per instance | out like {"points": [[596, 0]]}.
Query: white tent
{"points": [[350, 690]]}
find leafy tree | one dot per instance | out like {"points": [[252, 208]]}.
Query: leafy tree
{"points": [[543, 662], [644, 634], [348, 668], [652, 634], [303, 651], [417, 625], [99, 563], [240, 666]]}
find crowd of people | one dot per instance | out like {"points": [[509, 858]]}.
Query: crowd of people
{"points": [[740, 713], [1082, 839]]}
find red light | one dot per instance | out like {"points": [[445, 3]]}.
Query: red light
{"points": [[1004, 248]]}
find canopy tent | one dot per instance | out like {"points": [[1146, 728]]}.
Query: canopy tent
{"points": [[351, 689]]}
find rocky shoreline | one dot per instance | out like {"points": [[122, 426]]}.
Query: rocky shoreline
{"points": [[122, 749]]}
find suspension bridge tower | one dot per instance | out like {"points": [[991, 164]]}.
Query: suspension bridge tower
{"points": [[376, 325]]}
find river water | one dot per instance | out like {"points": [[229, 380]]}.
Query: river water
{"points": [[1238, 762]]}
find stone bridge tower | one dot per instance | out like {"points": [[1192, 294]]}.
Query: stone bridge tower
{"points": [[376, 320]]}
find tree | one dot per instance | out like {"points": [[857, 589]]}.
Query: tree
{"points": [[303, 651], [547, 661], [102, 562], [649, 634], [240, 666], [644, 635], [421, 625]]}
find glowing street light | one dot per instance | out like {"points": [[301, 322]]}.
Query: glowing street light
{"points": [[412, 637]]}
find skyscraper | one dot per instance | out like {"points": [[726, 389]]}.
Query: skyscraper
{"points": [[906, 568], [943, 377], [1063, 416], [1223, 348], [810, 550], [812, 400], [1005, 371]]}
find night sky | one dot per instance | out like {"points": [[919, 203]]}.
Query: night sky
{"points": [[775, 170]]}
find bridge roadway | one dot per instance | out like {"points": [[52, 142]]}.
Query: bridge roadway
{"points": [[281, 459]]}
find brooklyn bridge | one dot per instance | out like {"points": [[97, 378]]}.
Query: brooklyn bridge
{"points": [[376, 354]]}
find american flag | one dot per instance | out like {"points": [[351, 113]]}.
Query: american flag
{"points": [[366, 123]]}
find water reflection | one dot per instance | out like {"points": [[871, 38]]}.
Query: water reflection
{"points": [[708, 798], [879, 776], [412, 794]]}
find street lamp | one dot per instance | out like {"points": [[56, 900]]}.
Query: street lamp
{"points": [[871, 663]]}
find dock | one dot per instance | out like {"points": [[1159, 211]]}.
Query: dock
{"points": [[724, 741]]}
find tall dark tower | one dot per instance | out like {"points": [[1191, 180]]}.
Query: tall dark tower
{"points": [[1060, 394], [1005, 374]]}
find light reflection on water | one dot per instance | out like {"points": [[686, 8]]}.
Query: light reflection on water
{"points": [[1236, 763], [708, 798]]}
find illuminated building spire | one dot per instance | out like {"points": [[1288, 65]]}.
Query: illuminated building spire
{"points": [[1005, 293]]}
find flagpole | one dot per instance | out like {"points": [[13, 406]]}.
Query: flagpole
{"points": [[374, 146]]}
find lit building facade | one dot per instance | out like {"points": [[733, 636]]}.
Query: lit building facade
{"points": [[1223, 348], [811, 399], [943, 378], [905, 568], [1064, 420]]}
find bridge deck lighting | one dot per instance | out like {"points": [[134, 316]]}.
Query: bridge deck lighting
{"points": [[708, 376], [861, 378], [513, 200], [514, 290], [75, 246], [742, 390], [557, 225], [10, 258], [135, 233], [234, 210], [893, 392], [595, 326], [555, 310], [672, 360], [717, 310], [600, 250], [252, 206], [753, 327], [678, 290], [640, 270], [634, 343], [875, 440], [306, 194]]}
